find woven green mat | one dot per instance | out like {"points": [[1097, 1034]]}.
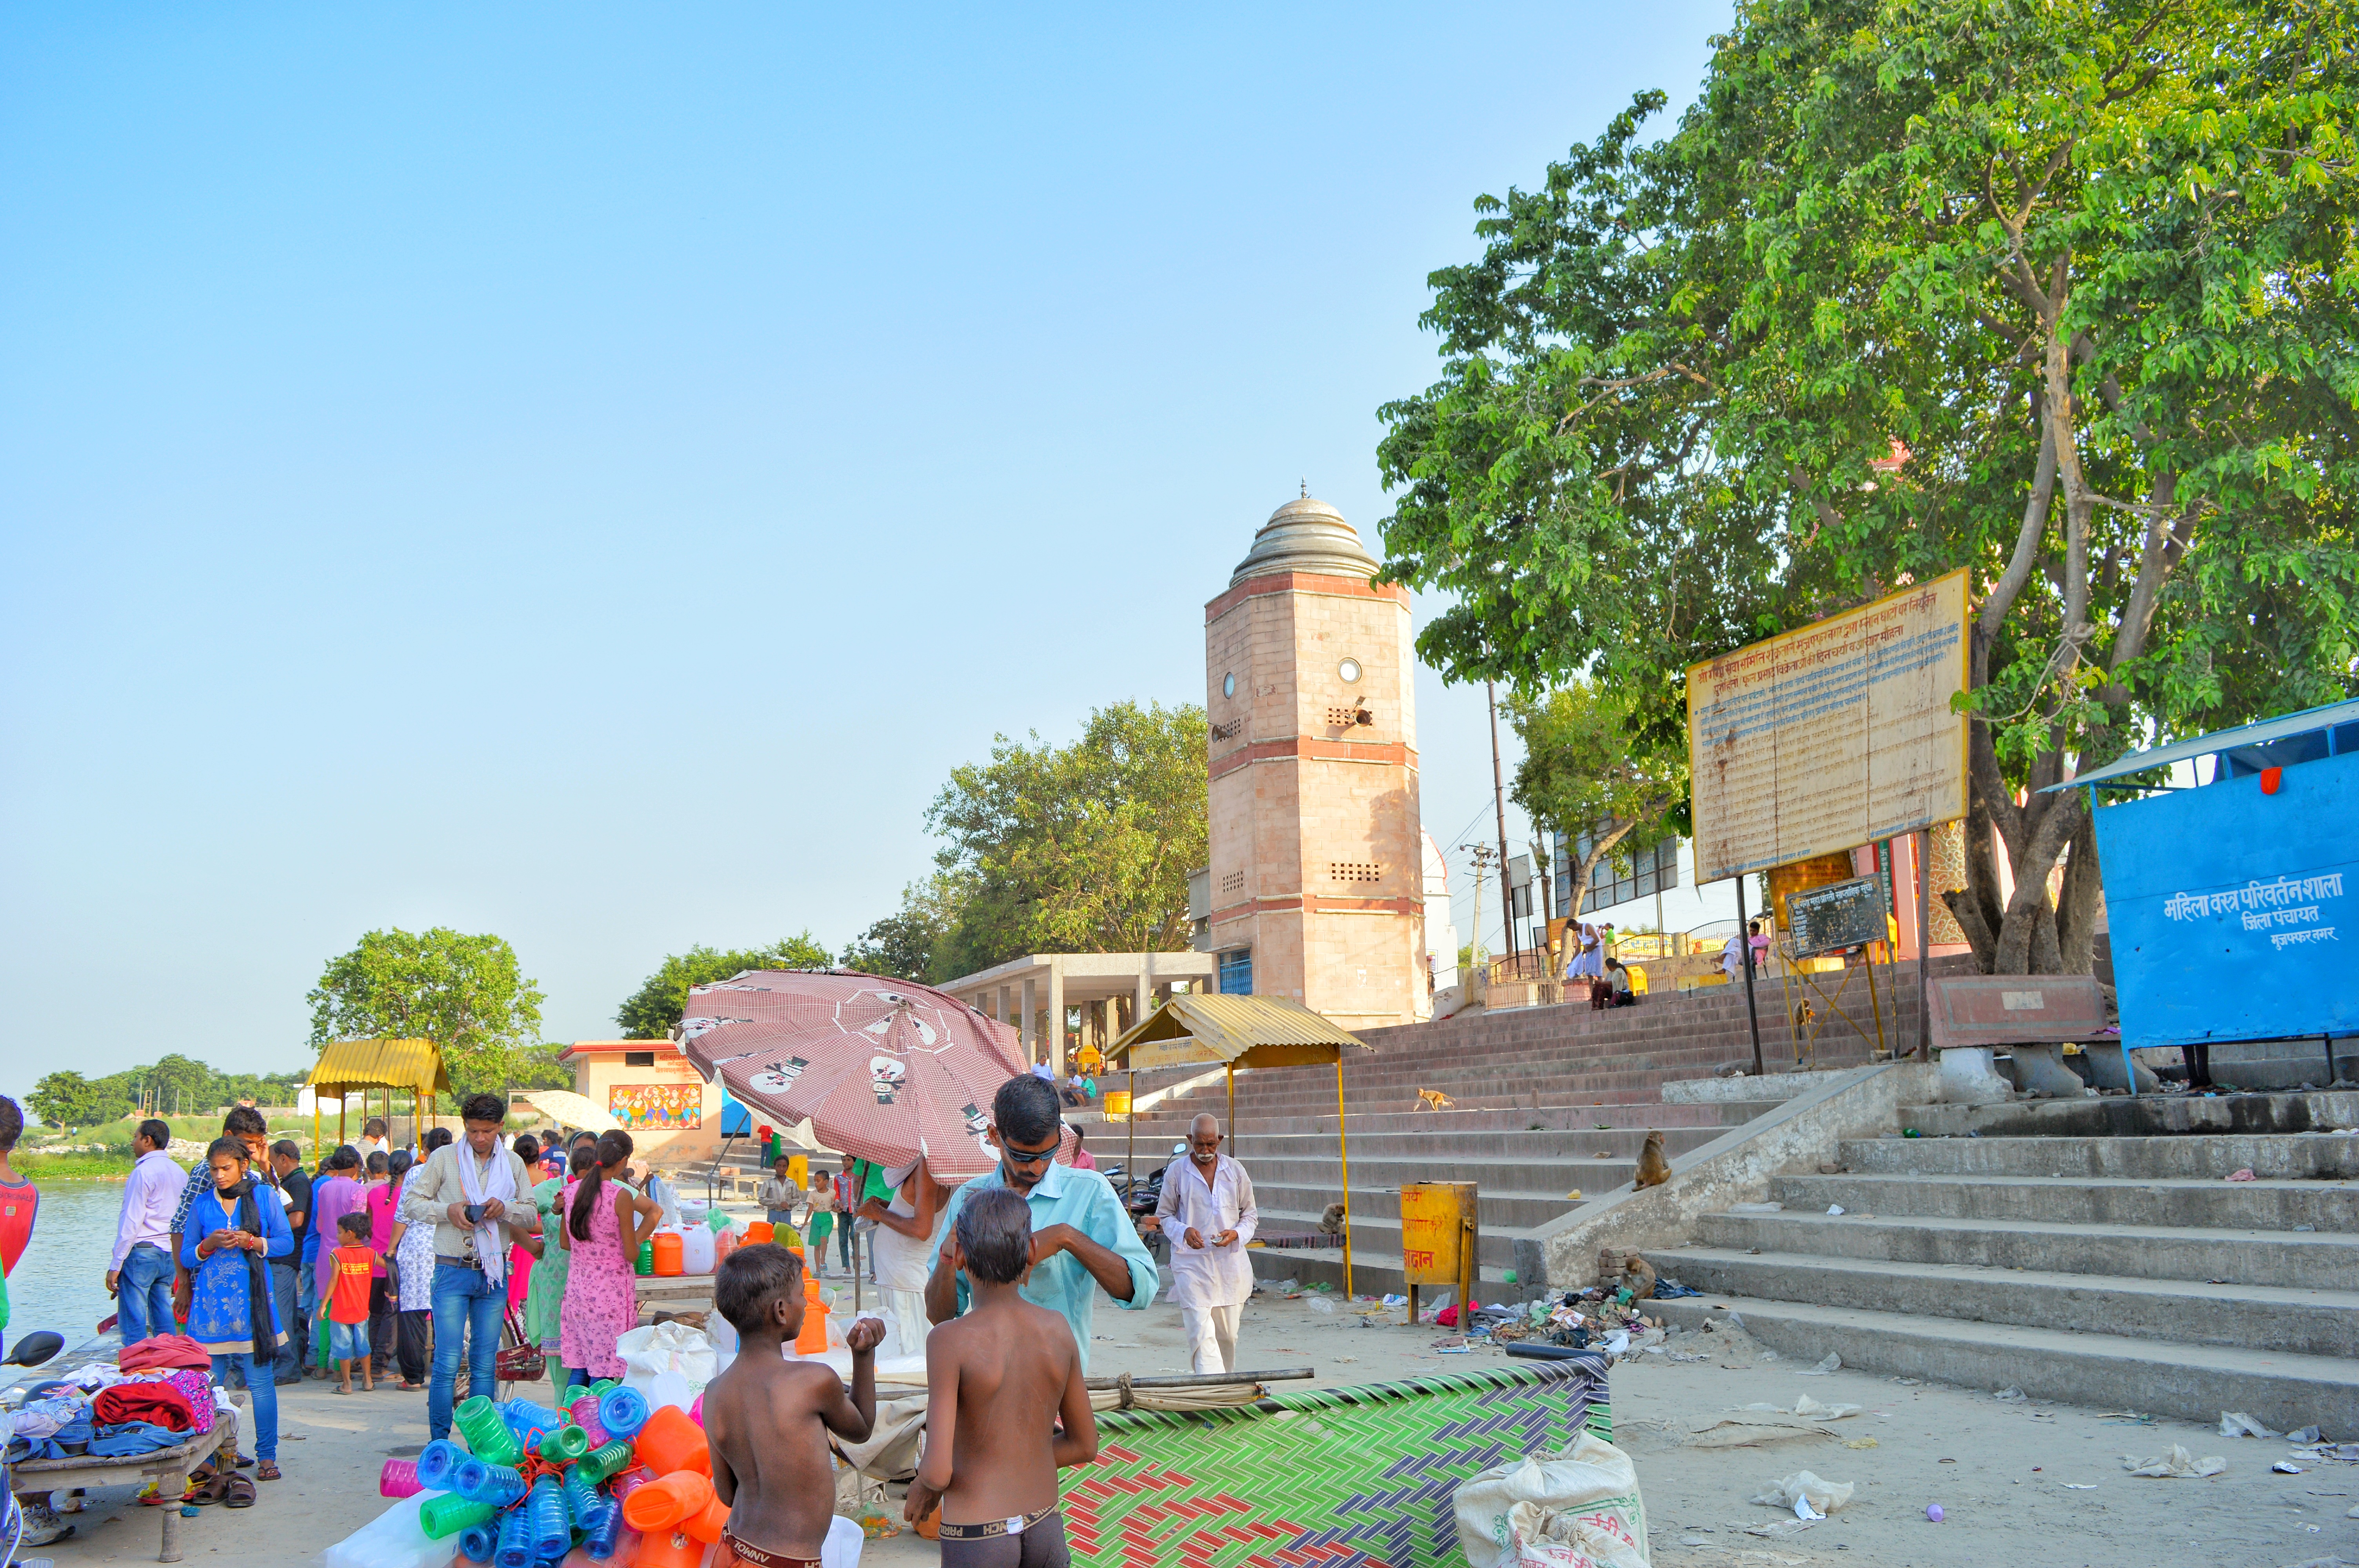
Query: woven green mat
{"points": [[1337, 1478]]}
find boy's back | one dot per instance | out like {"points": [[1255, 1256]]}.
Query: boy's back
{"points": [[1013, 1363], [348, 1299]]}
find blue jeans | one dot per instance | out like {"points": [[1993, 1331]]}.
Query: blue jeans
{"points": [[289, 1363], [349, 1342], [143, 1294], [467, 1310], [258, 1383]]}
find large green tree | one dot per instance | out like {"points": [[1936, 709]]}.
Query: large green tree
{"points": [[915, 940], [2066, 295], [467, 994], [1079, 849], [650, 1012]]}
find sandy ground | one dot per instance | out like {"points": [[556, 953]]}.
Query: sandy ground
{"points": [[2003, 1471]]}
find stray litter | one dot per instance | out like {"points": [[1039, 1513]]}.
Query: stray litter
{"points": [[1809, 1496], [2283, 1469], [2244, 1175], [1833, 1363], [1834, 1208], [2079, 1486], [2236, 1423], [1933, 1512], [2009, 1396], [1322, 1305], [2176, 1465]]}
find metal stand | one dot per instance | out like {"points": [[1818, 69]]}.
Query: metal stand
{"points": [[1745, 939]]}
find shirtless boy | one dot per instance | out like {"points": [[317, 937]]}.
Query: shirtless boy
{"points": [[997, 1381], [767, 1418]]}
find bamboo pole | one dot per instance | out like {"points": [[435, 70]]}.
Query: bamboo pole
{"points": [[1343, 1148]]}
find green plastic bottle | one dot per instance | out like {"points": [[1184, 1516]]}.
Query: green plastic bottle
{"points": [[645, 1264]]}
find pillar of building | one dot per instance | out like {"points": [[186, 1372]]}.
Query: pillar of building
{"points": [[1056, 1017]]}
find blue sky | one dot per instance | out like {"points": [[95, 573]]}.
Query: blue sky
{"points": [[587, 473]]}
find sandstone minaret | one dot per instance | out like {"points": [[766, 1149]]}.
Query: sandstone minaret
{"points": [[1317, 866]]}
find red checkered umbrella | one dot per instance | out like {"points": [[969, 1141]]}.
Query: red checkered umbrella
{"points": [[886, 1069]]}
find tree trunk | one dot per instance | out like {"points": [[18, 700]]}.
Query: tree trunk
{"points": [[2076, 916]]}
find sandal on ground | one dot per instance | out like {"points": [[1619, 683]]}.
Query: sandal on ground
{"points": [[204, 1494], [340, 1389], [241, 1493], [267, 1470]]}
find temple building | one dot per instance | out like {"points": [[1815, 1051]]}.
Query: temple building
{"points": [[1317, 884]]}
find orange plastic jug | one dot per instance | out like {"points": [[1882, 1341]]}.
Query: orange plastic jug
{"points": [[670, 1441], [708, 1525], [670, 1549], [757, 1232], [665, 1504], [667, 1253], [812, 1340]]}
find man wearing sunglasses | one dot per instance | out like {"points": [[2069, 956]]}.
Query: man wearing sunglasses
{"points": [[1083, 1242]]}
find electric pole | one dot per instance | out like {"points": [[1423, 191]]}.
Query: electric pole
{"points": [[1499, 799]]}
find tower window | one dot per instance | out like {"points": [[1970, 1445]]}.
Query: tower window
{"points": [[1234, 883], [1236, 972], [1229, 684], [638, 1058], [1350, 670], [1354, 871]]}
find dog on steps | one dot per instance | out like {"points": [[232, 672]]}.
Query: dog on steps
{"points": [[1653, 1169]]}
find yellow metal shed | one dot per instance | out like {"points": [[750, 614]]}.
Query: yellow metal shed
{"points": [[348, 1067]]}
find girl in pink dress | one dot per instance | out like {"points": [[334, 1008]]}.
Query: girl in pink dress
{"points": [[605, 1223]]}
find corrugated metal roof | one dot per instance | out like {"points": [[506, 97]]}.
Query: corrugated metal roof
{"points": [[2330, 717], [1233, 1028], [380, 1064]]}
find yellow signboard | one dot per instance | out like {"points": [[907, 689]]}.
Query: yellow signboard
{"points": [[1831, 736], [1184, 1052]]}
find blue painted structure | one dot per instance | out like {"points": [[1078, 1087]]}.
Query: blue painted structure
{"points": [[736, 1121], [2235, 906]]}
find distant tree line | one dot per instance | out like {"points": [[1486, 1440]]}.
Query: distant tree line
{"points": [[172, 1085]]}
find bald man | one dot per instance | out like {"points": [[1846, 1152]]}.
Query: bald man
{"points": [[1207, 1213]]}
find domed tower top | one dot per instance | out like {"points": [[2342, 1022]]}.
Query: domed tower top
{"points": [[1305, 536]]}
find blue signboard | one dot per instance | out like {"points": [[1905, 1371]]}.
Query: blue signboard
{"points": [[2235, 907]]}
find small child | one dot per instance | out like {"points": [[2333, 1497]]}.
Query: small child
{"points": [[998, 1381], [348, 1301], [767, 1418]]}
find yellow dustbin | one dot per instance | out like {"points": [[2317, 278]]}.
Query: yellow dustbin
{"points": [[1117, 1102], [799, 1169], [1434, 1230]]}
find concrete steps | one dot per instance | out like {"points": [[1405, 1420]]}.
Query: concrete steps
{"points": [[2116, 1270]]}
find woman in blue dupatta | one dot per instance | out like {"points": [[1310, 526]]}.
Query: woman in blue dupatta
{"points": [[231, 1233]]}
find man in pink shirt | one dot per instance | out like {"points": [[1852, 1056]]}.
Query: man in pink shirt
{"points": [[139, 1273]]}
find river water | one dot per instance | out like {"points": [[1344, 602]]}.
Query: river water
{"points": [[60, 1282]]}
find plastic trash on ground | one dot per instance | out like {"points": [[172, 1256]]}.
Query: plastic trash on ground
{"points": [[2177, 1465], [394, 1540], [1550, 1510], [1807, 1495], [1833, 1363], [2236, 1423]]}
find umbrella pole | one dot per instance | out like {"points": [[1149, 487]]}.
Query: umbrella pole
{"points": [[1343, 1144], [1130, 1130]]}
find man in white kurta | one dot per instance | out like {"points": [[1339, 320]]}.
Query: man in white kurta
{"points": [[1207, 1213]]}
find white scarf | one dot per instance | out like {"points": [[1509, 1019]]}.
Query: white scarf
{"points": [[500, 1183]]}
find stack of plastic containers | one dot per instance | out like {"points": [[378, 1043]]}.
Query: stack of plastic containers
{"points": [[534, 1485]]}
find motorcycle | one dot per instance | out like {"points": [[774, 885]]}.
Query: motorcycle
{"points": [[30, 1351]]}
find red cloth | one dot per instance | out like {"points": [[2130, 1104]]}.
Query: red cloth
{"points": [[164, 1350], [161, 1403]]}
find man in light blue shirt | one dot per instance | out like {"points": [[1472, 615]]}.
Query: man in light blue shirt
{"points": [[1082, 1240], [139, 1272]]}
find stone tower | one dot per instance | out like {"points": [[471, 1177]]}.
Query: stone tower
{"points": [[1317, 879]]}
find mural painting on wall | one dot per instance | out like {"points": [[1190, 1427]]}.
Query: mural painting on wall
{"points": [[662, 1108]]}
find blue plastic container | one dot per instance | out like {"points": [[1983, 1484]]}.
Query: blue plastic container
{"points": [[515, 1549], [438, 1464], [623, 1411], [478, 1482], [607, 1531], [549, 1531], [478, 1541]]}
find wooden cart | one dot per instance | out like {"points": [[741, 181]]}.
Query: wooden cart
{"points": [[167, 1467]]}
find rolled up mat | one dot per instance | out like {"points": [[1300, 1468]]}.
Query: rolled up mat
{"points": [[669, 1440], [664, 1503], [445, 1515], [1532, 1351], [398, 1479], [438, 1463], [478, 1541], [623, 1411]]}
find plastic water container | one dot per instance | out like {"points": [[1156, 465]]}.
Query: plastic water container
{"points": [[477, 1542], [666, 1246], [644, 1264], [584, 1411], [668, 1503], [515, 1550], [608, 1459], [442, 1515], [398, 1479], [437, 1462], [670, 1442], [488, 1437], [396, 1539], [551, 1526], [624, 1411], [812, 1340], [698, 1254]]}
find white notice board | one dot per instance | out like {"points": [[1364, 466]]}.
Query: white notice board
{"points": [[1831, 736]]}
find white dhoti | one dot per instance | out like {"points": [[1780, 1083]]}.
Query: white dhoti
{"points": [[905, 1311], [1213, 1336]]}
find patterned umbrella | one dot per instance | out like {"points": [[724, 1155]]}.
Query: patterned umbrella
{"points": [[886, 1069]]}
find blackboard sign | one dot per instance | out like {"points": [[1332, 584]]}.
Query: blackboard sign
{"points": [[1838, 915]]}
